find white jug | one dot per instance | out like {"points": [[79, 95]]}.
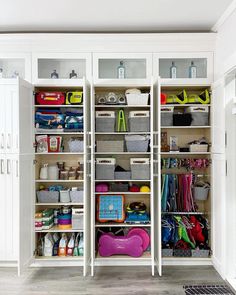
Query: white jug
{"points": [[44, 172], [53, 172]]}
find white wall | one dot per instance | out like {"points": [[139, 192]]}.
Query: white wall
{"points": [[225, 45]]}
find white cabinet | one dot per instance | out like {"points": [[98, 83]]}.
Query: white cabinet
{"points": [[16, 164], [137, 68]]}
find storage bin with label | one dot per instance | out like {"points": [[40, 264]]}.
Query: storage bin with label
{"points": [[44, 196], [137, 143], [65, 196], [200, 253], [77, 195], [77, 218], [105, 168], [139, 121], [114, 146], [140, 168], [198, 148], [105, 121], [167, 116], [200, 115]]}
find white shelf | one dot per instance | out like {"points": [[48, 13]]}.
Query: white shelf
{"points": [[122, 225], [146, 255], [61, 153], [182, 213], [58, 83], [185, 82], [58, 106], [59, 258], [59, 132], [58, 180], [185, 105], [122, 180], [121, 106], [59, 204], [185, 153], [122, 153], [122, 193], [120, 133], [55, 229], [185, 127]]}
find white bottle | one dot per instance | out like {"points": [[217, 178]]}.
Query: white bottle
{"points": [[121, 70], [53, 172], [173, 71], [44, 172], [1, 73], [192, 71]]}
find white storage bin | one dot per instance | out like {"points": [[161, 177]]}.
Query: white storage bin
{"points": [[65, 196], [198, 148], [137, 98], [105, 121], [200, 115], [44, 196], [77, 219], [105, 168], [140, 168], [139, 121], [167, 116], [110, 146]]}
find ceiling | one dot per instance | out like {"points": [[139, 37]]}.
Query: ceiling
{"points": [[110, 15]]}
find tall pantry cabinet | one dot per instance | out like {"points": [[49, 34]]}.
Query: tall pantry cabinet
{"points": [[16, 173], [20, 163]]}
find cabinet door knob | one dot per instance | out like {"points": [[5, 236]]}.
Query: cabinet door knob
{"points": [[2, 166]]}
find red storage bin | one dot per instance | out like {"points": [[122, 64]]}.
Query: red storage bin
{"points": [[50, 98]]}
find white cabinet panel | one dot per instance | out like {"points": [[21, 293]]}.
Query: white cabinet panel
{"points": [[24, 176], [2, 120], [3, 199], [218, 212]]}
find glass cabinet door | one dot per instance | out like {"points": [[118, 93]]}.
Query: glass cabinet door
{"points": [[184, 68], [122, 67], [49, 67]]}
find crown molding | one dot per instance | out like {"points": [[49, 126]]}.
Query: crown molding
{"points": [[227, 13]]}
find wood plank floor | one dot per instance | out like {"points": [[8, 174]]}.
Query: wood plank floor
{"points": [[108, 280]]}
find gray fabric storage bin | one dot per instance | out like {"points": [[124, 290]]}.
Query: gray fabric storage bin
{"points": [[119, 187], [126, 175], [139, 121], [137, 143], [77, 196], [140, 168], [200, 115], [105, 168], [167, 116], [110, 146], [105, 121], [48, 196], [201, 253]]}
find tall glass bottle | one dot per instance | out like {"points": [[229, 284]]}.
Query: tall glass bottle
{"points": [[173, 71], [121, 70], [192, 71]]}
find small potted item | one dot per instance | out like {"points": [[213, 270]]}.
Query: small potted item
{"points": [[54, 75], [73, 75]]}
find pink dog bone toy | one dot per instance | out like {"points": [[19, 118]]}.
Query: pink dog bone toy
{"points": [[112, 245]]}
